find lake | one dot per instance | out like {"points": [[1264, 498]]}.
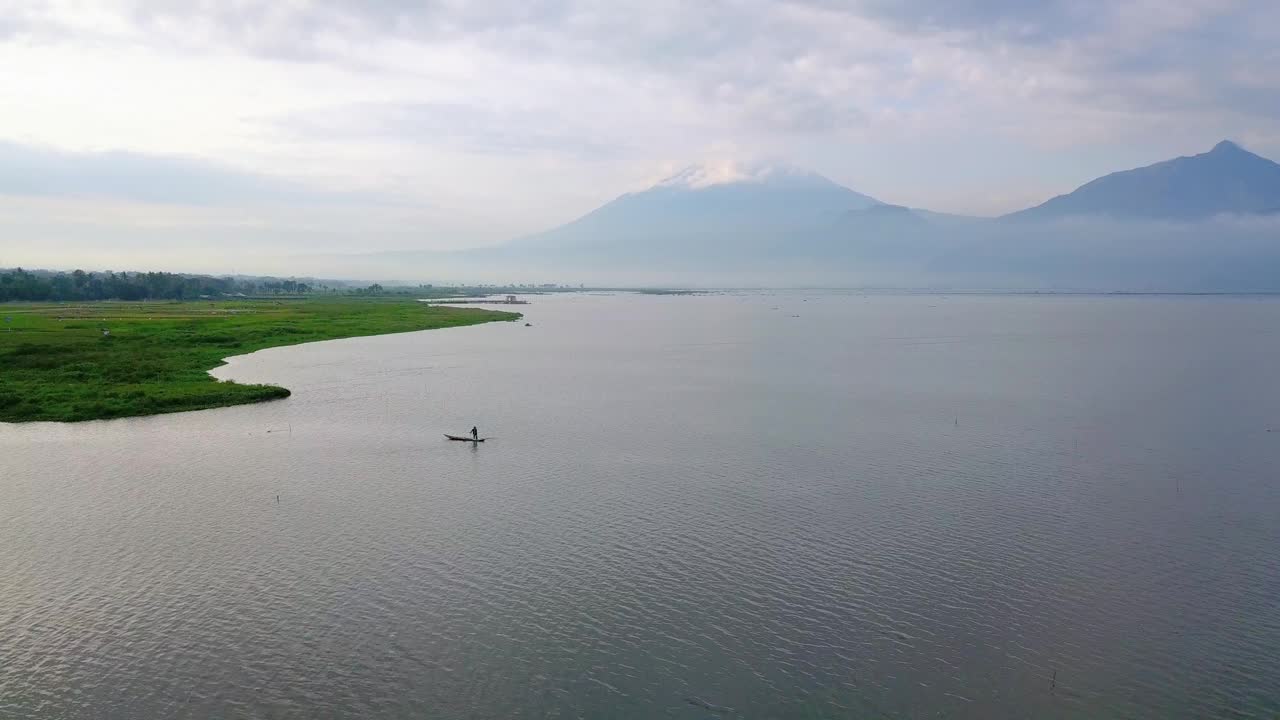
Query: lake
{"points": [[752, 505]]}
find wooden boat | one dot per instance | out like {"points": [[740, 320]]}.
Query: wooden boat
{"points": [[463, 439]]}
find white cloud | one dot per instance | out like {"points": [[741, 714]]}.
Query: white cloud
{"points": [[495, 119]]}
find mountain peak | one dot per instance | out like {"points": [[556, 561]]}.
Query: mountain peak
{"points": [[708, 201], [1227, 180], [732, 172]]}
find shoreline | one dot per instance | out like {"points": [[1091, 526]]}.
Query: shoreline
{"points": [[100, 361]]}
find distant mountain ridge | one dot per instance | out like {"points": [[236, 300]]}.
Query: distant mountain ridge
{"points": [[1204, 223], [705, 203], [1226, 180], [701, 201]]}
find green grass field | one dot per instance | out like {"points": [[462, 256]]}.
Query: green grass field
{"points": [[56, 363]]}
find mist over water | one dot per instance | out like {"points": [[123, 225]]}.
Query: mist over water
{"points": [[1227, 253], [739, 506]]}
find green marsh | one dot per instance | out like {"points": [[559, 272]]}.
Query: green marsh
{"points": [[88, 361]]}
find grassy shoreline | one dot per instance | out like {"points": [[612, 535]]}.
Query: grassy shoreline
{"points": [[56, 363]]}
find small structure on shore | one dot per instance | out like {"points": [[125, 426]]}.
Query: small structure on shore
{"points": [[507, 300]]}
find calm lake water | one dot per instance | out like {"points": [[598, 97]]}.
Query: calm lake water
{"points": [[737, 506]]}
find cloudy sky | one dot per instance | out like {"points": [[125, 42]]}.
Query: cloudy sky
{"points": [[230, 136]]}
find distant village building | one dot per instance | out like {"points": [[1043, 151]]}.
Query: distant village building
{"points": [[511, 300]]}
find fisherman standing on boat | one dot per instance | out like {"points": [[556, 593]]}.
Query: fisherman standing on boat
{"points": [[475, 434]]}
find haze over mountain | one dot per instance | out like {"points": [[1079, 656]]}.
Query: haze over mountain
{"points": [[709, 200], [754, 199], [257, 136], [1226, 180], [1204, 223]]}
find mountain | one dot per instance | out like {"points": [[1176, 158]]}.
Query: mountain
{"points": [[1206, 223], [1227, 180], [712, 201], [882, 218], [880, 231]]}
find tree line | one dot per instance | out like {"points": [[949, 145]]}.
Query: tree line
{"points": [[19, 284]]}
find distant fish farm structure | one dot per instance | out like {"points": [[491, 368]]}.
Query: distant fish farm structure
{"points": [[508, 300]]}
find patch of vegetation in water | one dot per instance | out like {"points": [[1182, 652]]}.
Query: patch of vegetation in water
{"points": [[90, 361]]}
